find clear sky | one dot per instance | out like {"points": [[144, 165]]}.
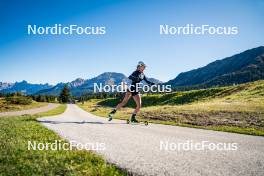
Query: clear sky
{"points": [[132, 34]]}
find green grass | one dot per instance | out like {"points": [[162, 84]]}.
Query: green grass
{"points": [[6, 107], [240, 93], [16, 159], [238, 109], [56, 111]]}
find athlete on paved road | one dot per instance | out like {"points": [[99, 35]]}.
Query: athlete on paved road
{"points": [[136, 77]]}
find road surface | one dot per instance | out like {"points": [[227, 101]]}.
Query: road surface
{"points": [[141, 149], [50, 106]]}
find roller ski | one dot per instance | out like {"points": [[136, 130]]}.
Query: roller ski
{"points": [[138, 122], [133, 120]]}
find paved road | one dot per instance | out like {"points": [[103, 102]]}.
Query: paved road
{"points": [[50, 106], [137, 147]]}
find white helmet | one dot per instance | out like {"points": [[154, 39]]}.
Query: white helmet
{"points": [[141, 63]]}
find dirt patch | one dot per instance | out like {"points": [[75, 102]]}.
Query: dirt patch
{"points": [[218, 118]]}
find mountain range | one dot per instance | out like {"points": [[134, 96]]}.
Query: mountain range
{"points": [[77, 87], [240, 68], [23, 86]]}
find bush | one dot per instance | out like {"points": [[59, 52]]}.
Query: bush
{"points": [[44, 98], [19, 100]]}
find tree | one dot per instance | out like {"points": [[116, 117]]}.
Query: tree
{"points": [[65, 95]]}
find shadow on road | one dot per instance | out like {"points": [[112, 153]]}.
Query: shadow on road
{"points": [[83, 122]]}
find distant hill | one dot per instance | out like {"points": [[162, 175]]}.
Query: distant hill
{"points": [[80, 86], [107, 78], [241, 68], [4, 85], [154, 81], [23, 87]]}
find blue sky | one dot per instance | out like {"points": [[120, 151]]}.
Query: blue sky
{"points": [[132, 35]]}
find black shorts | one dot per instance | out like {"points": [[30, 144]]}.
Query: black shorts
{"points": [[133, 91]]}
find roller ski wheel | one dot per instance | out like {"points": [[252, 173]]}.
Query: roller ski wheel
{"points": [[138, 122]]}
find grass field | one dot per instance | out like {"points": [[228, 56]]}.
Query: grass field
{"points": [[6, 107], [16, 159], [237, 108]]}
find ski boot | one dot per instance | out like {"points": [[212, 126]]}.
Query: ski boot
{"points": [[110, 115], [133, 119]]}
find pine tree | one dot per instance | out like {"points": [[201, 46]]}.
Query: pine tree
{"points": [[65, 95]]}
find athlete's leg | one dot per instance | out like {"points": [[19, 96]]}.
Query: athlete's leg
{"points": [[124, 101], [137, 99]]}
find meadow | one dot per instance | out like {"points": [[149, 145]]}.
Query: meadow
{"points": [[238, 108], [16, 159]]}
